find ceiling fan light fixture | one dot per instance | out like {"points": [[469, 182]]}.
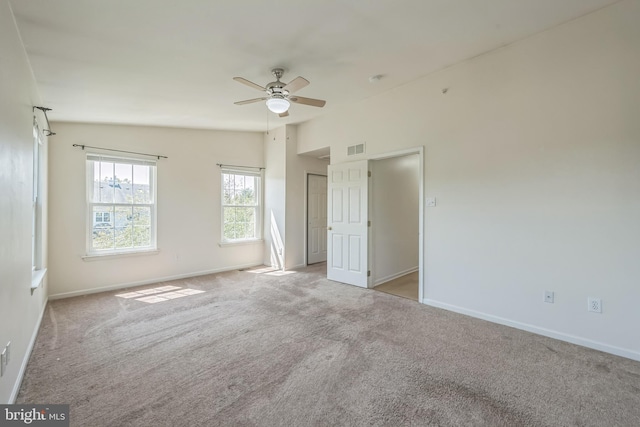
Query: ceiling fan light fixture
{"points": [[278, 105]]}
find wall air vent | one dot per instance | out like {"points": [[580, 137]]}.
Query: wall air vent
{"points": [[353, 150]]}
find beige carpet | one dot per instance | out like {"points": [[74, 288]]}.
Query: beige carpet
{"points": [[264, 349]]}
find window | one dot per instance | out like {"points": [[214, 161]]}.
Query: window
{"points": [[36, 228], [35, 217], [241, 205], [38, 208], [121, 207]]}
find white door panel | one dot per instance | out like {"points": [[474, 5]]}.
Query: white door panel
{"points": [[347, 226]]}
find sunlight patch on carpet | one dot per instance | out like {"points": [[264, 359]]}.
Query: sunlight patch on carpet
{"points": [[159, 294], [270, 271]]}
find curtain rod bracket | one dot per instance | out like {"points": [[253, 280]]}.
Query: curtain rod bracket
{"points": [[44, 110]]}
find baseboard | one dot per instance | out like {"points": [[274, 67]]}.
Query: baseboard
{"points": [[295, 267], [618, 351], [27, 355], [147, 282], [389, 278]]}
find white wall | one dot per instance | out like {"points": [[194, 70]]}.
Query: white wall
{"points": [[285, 192], [296, 179], [533, 156], [20, 311], [188, 211], [394, 204], [274, 204]]}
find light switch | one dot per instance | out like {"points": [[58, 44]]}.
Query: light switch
{"points": [[431, 202]]}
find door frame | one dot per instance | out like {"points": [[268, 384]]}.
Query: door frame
{"points": [[421, 219], [306, 211]]}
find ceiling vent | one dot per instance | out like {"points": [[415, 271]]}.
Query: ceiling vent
{"points": [[353, 150]]}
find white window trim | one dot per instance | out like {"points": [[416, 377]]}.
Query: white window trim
{"points": [[37, 278], [116, 253], [38, 271], [35, 200], [122, 254], [258, 172]]}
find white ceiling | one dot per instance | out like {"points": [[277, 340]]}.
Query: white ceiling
{"points": [[171, 63]]}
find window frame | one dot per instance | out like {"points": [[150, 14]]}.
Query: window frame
{"points": [[38, 209], [259, 206], [36, 214], [91, 159]]}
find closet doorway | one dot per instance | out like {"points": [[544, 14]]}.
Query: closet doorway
{"points": [[316, 218]]}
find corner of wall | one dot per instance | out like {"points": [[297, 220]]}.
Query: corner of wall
{"points": [[20, 310]]}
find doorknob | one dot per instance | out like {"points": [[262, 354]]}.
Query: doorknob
{"points": [[329, 228]]}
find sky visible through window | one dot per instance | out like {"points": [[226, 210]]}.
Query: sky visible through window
{"points": [[139, 175]]}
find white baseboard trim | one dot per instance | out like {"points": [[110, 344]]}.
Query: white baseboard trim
{"points": [[27, 355], [618, 351], [386, 279], [147, 282]]}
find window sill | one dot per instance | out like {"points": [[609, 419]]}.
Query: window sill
{"points": [[241, 242], [113, 255], [37, 277]]}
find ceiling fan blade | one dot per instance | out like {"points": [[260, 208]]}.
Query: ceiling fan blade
{"points": [[249, 101], [285, 114], [296, 84], [248, 83], [307, 101]]}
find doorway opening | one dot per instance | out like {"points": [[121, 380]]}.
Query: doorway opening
{"points": [[364, 197], [394, 210], [316, 218]]}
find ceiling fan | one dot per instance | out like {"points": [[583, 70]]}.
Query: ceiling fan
{"points": [[278, 94]]}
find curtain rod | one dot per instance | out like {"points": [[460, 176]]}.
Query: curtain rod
{"points": [[237, 166], [121, 151], [44, 110]]}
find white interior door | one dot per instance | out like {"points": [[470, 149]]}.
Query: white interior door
{"points": [[347, 225], [316, 219]]}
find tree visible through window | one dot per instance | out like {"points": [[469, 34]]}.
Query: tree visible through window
{"points": [[121, 204], [240, 205]]}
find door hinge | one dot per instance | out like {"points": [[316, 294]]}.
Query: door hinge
{"points": [[368, 273], [369, 174], [368, 223]]}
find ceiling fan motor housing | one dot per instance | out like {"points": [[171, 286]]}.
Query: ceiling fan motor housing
{"points": [[275, 88]]}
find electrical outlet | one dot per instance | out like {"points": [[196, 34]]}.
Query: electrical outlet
{"points": [[594, 305], [548, 296], [3, 361]]}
